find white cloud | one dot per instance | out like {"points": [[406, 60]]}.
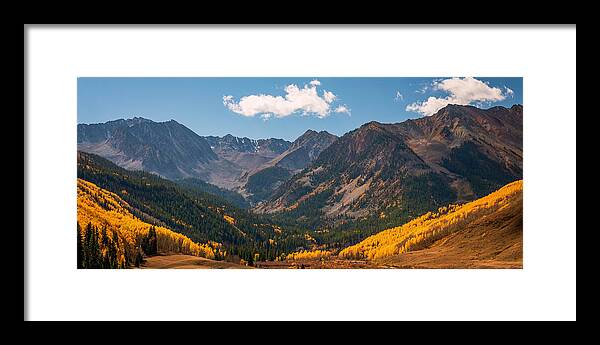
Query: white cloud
{"points": [[509, 92], [342, 109], [227, 99], [305, 100], [461, 91], [329, 96], [399, 96]]}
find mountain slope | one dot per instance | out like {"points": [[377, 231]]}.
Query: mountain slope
{"points": [[200, 216], [368, 168], [484, 147], [122, 231], [168, 149], [304, 150], [486, 232], [197, 215], [261, 182], [230, 196], [398, 171]]}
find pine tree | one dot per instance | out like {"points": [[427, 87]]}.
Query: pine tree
{"points": [[152, 241], [104, 249], [96, 256], [79, 247], [92, 247], [138, 257], [87, 247], [112, 252]]}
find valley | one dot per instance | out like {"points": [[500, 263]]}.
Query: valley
{"points": [[442, 191]]}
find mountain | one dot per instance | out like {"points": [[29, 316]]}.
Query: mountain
{"points": [[483, 146], [304, 150], [168, 149], [485, 233], [261, 182], [397, 171], [267, 163], [247, 153], [252, 168]]}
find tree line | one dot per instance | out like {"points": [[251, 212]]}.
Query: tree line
{"points": [[101, 247]]}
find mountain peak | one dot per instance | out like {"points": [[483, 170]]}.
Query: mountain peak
{"points": [[312, 135], [372, 126], [166, 148], [305, 149], [462, 107], [455, 107], [137, 120]]}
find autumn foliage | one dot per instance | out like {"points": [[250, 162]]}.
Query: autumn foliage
{"points": [[306, 254], [105, 218], [432, 226]]}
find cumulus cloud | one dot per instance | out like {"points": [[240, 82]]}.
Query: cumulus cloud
{"points": [[342, 109], [461, 91], [296, 99]]}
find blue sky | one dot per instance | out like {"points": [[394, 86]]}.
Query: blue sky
{"points": [[284, 107]]}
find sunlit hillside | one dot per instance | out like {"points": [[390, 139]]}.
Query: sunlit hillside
{"points": [[424, 231], [306, 254], [121, 235]]}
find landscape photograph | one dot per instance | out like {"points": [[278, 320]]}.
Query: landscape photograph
{"points": [[299, 173]]}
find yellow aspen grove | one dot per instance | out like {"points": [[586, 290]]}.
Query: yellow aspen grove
{"points": [[432, 226], [305, 254], [104, 209]]}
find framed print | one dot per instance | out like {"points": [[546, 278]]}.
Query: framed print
{"points": [[300, 173]]}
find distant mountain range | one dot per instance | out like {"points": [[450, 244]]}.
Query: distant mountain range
{"points": [[253, 168], [456, 155], [248, 154]]}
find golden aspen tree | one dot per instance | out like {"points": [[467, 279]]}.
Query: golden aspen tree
{"points": [[431, 226]]}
